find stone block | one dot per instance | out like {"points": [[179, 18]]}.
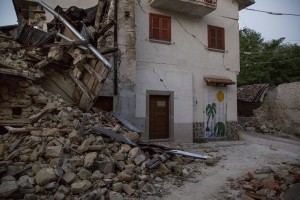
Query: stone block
{"points": [[45, 176], [68, 177], [7, 188], [89, 159], [74, 136], [84, 174], [123, 176], [128, 189], [80, 187], [105, 167], [54, 151]]}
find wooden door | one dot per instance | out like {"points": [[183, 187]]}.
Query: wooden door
{"points": [[159, 117]]}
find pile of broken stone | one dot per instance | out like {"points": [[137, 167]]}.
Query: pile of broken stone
{"points": [[265, 127], [265, 183], [54, 154]]}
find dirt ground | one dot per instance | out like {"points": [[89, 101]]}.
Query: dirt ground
{"points": [[238, 157]]}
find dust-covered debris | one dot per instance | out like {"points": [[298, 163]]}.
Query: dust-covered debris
{"points": [[49, 156], [266, 183]]}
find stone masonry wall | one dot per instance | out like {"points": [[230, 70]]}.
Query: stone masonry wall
{"points": [[232, 129], [20, 99], [281, 108]]}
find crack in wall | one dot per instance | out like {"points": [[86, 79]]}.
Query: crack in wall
{"points": [[194, 36], [161, 80], [141, 7]]}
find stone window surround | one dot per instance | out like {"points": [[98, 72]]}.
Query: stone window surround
{"points": [[171, 113]]}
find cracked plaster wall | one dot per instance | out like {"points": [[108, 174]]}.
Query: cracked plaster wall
{"points": [[187, 54]]}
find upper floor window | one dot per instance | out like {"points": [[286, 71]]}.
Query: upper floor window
{"points": [[160, 27], [216, 38]]}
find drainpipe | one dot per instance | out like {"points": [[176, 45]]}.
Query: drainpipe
{"points": [[116, 46], [78, 35]]}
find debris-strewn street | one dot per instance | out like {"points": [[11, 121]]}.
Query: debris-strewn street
{"points": [[228, 178]]}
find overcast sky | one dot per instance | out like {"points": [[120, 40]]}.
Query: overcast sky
{"points": [[273, 26], [270, 26], [7, 13]]}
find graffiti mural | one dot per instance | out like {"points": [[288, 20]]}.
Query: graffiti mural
{"points": [[215, 112]]}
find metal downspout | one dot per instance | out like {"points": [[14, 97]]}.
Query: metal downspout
{"points": [[116, 46], [77, 34]]}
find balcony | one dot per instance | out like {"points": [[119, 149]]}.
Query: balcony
{"points": [[245, 3], [197, 8]]}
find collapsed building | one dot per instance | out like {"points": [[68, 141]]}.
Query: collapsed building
{"points": [[134, 56], [272, 110], [171, 74], [55, 141]]}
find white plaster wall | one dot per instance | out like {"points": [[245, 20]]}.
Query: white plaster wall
{"points": [[188, 52], [180, 82]]}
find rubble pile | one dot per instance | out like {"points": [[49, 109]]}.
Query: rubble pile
{"points": [[19, 61], [21, 99], [266, 183], [265, 127], [68, 55], [54, 154]]}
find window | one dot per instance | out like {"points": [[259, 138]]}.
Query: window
{"points": [[216, 38], [160, 27]]}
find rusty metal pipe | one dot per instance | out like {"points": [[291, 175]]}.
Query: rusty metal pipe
{"points": [[77, 34]]}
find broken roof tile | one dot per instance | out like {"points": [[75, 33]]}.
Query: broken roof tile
{"points": [[251, 93]]}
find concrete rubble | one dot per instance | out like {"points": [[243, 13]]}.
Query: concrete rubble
{"points": [[280, 183]]}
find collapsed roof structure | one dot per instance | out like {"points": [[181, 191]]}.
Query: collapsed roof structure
{"points": [[68, 55]]}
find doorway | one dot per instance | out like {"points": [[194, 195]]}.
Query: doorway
{"points": [[159, 117]]}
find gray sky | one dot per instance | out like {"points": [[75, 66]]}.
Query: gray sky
{"points": [[273, 26], [270, 26], [7, 13]]}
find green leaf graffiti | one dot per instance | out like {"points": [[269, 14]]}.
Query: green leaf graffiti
{"points": [[210, 112], [219, 129]]}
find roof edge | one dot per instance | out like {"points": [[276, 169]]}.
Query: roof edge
{"points": [[244, 3]]}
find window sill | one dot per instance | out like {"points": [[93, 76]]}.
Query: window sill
{"points": [[216, 50], [160, 41]]}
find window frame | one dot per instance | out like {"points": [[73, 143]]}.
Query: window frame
{"points": [[216, 38], [160, 28]]}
